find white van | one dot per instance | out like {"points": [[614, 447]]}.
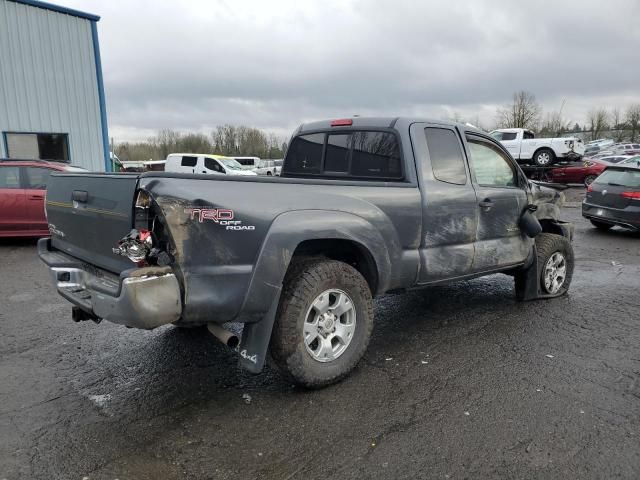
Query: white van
{"points": [[202, 163], [248, 163]]}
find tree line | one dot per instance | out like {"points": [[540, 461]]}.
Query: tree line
{"points": [[231, 140], [525, 112]]}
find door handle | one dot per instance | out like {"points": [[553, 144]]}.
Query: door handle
{"points": [[80, 196], [486, 204], [37, 197]]}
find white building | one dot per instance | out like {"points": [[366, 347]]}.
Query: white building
{"points": [[52, 103]]}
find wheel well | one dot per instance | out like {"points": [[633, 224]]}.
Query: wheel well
{"points": [[549, 226], [347, 251], [553, 154]]}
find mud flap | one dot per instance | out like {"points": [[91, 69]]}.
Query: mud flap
{"points": [[527, 280], [255, 339]]}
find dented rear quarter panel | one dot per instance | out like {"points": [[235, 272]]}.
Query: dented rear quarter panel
{"points": [[233, 274]]}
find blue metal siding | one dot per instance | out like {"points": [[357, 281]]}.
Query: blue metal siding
{"points": [[50, 79]]}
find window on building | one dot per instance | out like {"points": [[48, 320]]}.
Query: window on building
{"points": [[9, 177], [43, 146], [446, 157]]}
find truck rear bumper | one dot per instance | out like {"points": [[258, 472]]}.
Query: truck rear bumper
{"points": [[140, 298]]}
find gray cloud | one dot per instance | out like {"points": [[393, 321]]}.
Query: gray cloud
{"points": [[197, 64]]}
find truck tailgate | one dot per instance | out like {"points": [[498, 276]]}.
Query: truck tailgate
{"points": [[89, 213]]}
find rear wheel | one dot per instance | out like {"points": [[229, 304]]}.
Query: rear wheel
{"points": [[544, 157], [601, 225], [555, 263], [323, 324], [269, 174], [588, 180]]}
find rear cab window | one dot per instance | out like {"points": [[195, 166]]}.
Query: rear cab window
{"points": [[354, 155]]}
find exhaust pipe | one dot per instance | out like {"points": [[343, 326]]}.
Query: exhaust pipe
{"points": [[230, 339]]}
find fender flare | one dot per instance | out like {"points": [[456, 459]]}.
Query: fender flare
{"points": [[289, 230]]}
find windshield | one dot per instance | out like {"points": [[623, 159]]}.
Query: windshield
{"points": [[230, 163], [496, 135]]}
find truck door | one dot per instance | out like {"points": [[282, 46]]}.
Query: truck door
{"points": [[449, 204], [501, 199]]}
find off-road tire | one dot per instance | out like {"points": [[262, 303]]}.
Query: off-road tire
{"points": [[305, 280], [546, 245], [601, 225], [536, 157], [588, 180]]}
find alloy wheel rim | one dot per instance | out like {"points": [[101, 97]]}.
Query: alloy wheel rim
{"points": [[543, 158], [555, 273], [329, 325]]}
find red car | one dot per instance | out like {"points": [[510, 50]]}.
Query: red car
{"points": [[22, 191], [584, 173]]}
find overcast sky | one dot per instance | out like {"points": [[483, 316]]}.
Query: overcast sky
{"points": [[192, 65]]}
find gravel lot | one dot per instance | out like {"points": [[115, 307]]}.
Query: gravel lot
{"points": [[459, 382]]}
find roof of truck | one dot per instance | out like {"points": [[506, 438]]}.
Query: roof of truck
{"points": [[378, 122]]}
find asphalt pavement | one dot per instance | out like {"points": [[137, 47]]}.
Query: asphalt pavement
{"points": [[459, 381]]}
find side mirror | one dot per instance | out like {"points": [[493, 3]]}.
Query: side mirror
{"points": [[529, 224]]}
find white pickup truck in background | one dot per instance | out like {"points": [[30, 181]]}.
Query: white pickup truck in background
{"points": [[525, 148]]}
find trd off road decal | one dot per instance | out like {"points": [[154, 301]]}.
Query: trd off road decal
{"points": [[221, 216]]}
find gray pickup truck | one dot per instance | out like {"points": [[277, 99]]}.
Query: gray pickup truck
{"points": [[364, 206]]}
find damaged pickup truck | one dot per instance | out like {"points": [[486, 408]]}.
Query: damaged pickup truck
{"points": [[364, 206]]}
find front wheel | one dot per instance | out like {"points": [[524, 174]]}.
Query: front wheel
{"points": [[544, 157], [555, 263], [323, 324]]}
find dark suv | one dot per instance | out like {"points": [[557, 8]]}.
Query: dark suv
{"points": [[614, 198]]}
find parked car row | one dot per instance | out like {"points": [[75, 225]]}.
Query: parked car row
{"points": [[23, 184], [605, 149]]}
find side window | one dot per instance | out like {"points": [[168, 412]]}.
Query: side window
{"points": [[37, 178], [490, 165], [509, 136], [446, 157], [527, 135], [189, 161], [337, 157], [305, 154], [9, 177], [212, 164], [376, 155]]}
